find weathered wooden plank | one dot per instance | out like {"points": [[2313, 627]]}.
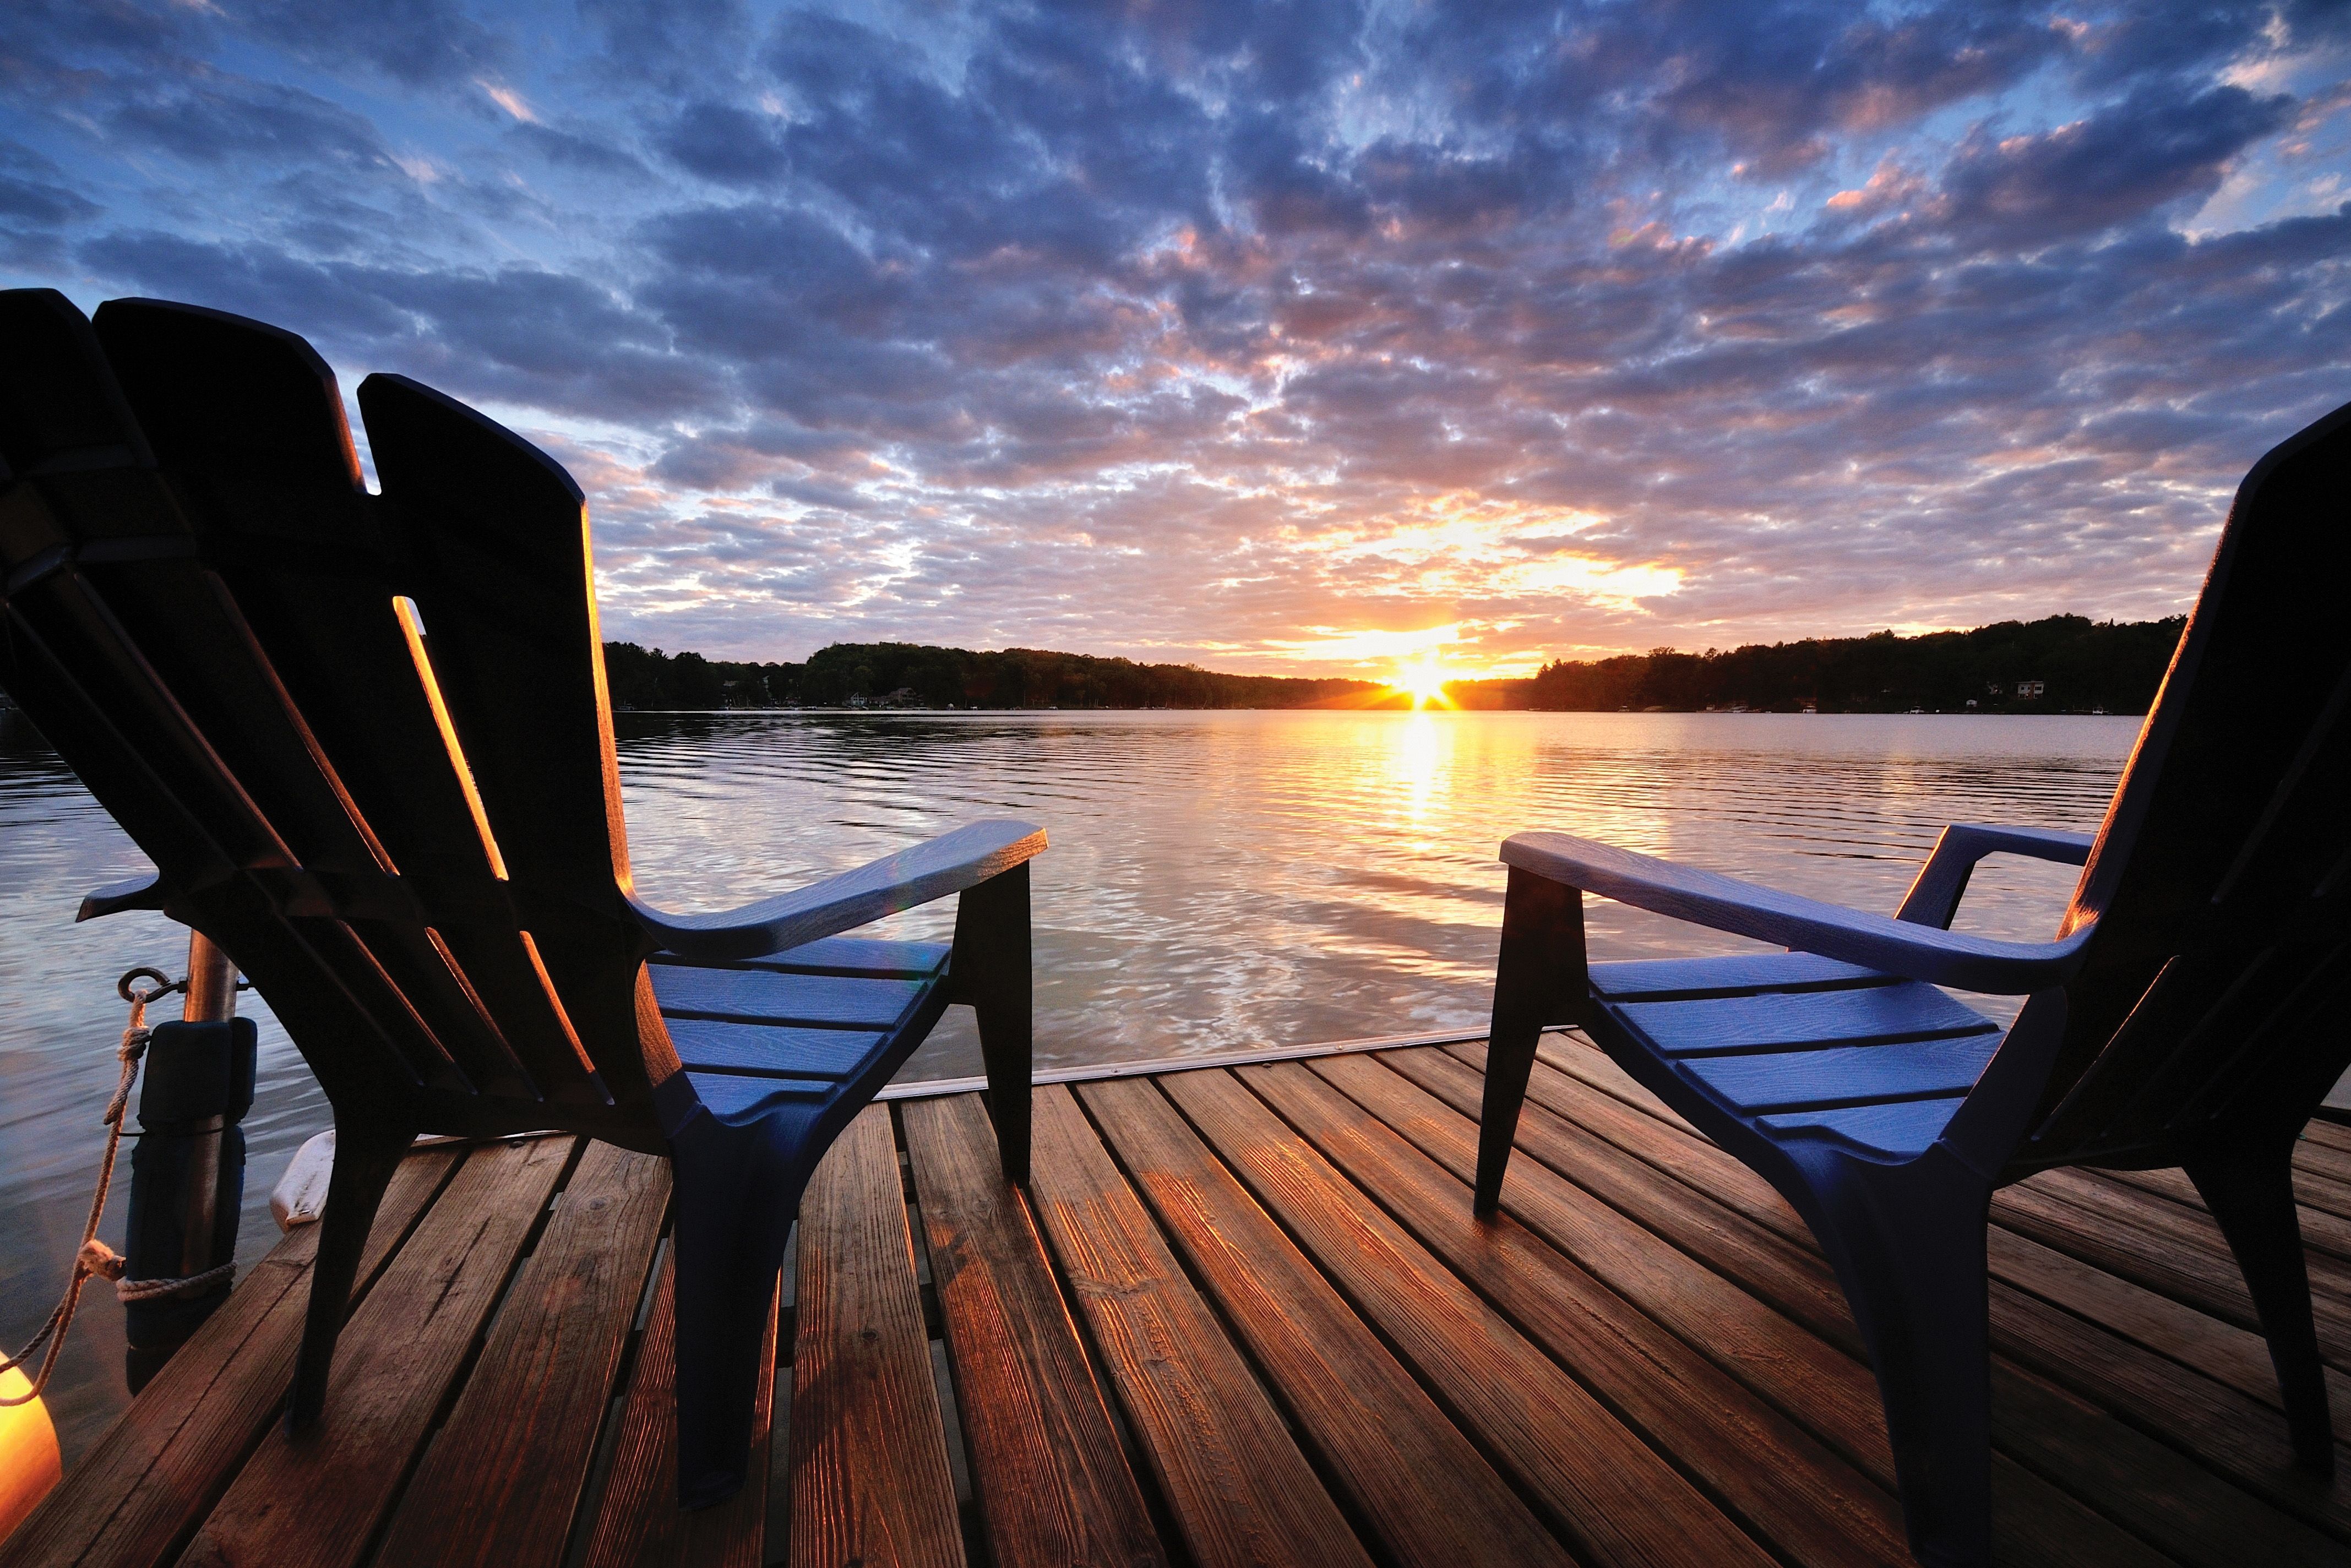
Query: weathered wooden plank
{"points": [[1811, 1381], [2110, 1237], [637, 1523], [2323, 1228], [1812, 1506], [1620, 1502], [1785, 1272], [2223, 1350], [1587, 1063], [2228, 1431], [1053, 1486], [2321, 1154], [2325, 1193], [2235, 1357], [499, 1484], [2152, 1488], [132, 1499], [2227, 1420], [1420, 1486], [2191, 1226], [869, 1480], [2161, 1494], [2199, 1270], [313, 1501], [1666, 1142], [2328, 1134], [1239, 1490], [2227, 1352]]}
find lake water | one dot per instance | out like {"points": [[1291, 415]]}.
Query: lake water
{"points": [[1216, 881]]}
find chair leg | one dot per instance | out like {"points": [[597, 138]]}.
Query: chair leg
{"points": [[1908, 1246], [991, 971], [1539, 979], [2250, 1194], [735, 1201], [366, 1157]]}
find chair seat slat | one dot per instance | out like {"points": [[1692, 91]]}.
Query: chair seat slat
{"points": [[1844, 1075], [1900, 1130], [758, 995], [856, 957], [1801, 1021], [710, 1045], [1666, 979]]}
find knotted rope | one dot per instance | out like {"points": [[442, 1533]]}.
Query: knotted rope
{"points": [[95, 1257]]}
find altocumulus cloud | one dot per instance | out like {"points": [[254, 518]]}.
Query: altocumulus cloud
{"points": [[1297, 335]]}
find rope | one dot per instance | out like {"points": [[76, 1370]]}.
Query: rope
{"points": [[95, 1257]]}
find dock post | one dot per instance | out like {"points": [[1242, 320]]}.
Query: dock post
{"points": [[187, 1174]]}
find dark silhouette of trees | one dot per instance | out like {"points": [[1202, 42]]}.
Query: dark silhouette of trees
{"points": [[2080, 665], [908, 674]]}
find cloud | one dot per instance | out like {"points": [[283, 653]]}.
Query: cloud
{"points": [[2120, 164], [1272, 334], [417, 43]]}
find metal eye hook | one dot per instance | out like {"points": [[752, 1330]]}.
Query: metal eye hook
{"points": [[164, 985]]}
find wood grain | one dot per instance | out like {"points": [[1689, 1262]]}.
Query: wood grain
{"points": [[2190, 1225], [634, 1520], [871, 1486], [312, 1501], [1241, 1493], [1424, 1492], [2169, 1259], [1053, 1486], [2225, 1350], [133, 1499], [500, 1482], [2141, 1481], [1792, 1489], [1620, 1502], [1812, 1377], [2323, 1229]]}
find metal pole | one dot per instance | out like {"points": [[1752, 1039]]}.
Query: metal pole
{"points": [[187, 1172], [210, 998]]}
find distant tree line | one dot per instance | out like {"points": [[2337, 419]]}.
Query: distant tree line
{"points": [[907, 674], [2063, 663]]}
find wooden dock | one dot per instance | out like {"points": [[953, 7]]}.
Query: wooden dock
{"points": [[1243, 1317]]}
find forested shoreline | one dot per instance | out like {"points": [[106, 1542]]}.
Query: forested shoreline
{"points": [[909, 675], [2061, 663]]}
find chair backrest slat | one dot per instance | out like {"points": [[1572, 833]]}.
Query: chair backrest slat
{"points": [[394, 853], [507, 594], [2208, 991], [320, 566]]}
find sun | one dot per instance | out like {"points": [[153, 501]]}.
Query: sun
{"points": [[1423, 682]]}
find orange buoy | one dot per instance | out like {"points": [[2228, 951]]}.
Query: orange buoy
{"points": [[29, 1462]]}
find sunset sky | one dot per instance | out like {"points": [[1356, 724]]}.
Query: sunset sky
{"points": [[1284, 338]]}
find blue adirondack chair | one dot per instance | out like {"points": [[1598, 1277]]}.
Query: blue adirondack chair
{"points": [[2189, 1012], [366, 742]]}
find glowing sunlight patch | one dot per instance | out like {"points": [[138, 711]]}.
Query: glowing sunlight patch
{"points": [[1365, 647], [1424, 682]]}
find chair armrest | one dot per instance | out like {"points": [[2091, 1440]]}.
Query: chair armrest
{"points": [[138, 893], [1744, 909], [1934, 897], [949, 863]]}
